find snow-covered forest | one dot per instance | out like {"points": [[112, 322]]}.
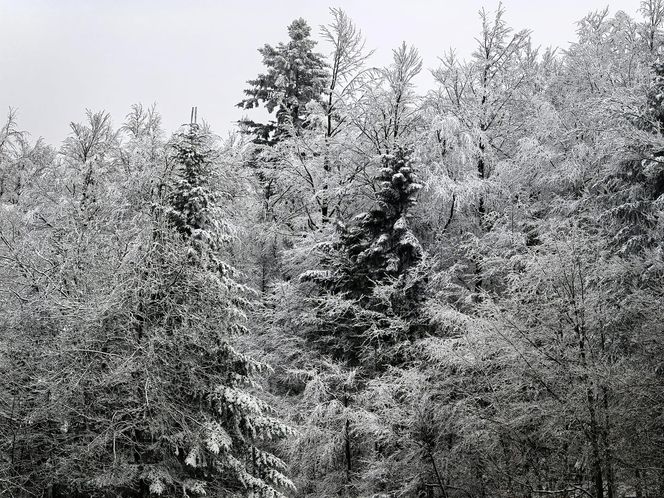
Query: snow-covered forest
{"points": [[379, 290]]}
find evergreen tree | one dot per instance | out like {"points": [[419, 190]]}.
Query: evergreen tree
{"points": [[147, 394], [295, 76], [192, 203], [199, 304], [355, 314], [373, 267], [632, 187], [380, 244]]}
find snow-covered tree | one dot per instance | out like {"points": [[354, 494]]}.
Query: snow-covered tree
{"points": [[296, 75], [372, 265]]}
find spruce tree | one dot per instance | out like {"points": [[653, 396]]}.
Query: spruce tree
{"points": [[295, 76], [357, 310], [380, 244], [633, 188], [215, 447], [370, 275], [157, 400]]}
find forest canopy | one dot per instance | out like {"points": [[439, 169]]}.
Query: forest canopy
{"points": [[382, 290]]}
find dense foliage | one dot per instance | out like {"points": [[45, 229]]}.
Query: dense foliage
{"points": [[453, 292]]}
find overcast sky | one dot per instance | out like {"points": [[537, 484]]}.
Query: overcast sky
{"points": [[59, 57]]}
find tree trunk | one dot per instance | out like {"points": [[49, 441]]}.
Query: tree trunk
{"points": [[594, 433], [347, 449]]}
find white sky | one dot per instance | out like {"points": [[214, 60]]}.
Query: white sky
{"points": [[59, 57]]}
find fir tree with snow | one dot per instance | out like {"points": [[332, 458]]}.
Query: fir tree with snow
{"points": [[220, 442], [295, 76], [371, 278]]}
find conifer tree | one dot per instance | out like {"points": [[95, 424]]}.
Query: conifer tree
{"points": [[197, 303], [374, 267], [148, 396], [358, 311], [380, 245], [295, 76], [632, 188]]}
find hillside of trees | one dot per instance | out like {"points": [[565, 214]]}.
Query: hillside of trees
{"points": [[382, 291]]}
